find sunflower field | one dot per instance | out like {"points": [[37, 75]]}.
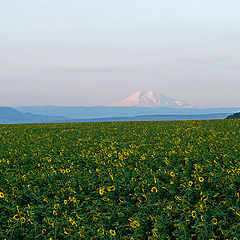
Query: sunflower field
{"points": [[121, 180]]}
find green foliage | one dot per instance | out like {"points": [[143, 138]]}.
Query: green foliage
{"points": [[125, 180], [234, 116]]}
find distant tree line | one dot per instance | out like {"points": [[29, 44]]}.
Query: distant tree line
{"points": [[233, 116]]}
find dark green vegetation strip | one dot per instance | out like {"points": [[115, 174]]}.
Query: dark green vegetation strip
{"points": [[233, 116], [126, 180]]}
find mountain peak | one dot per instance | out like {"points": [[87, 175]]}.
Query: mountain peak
{"points": [[151, 99]]}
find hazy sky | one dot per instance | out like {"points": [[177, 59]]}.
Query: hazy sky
{"points": [[96, 52]]}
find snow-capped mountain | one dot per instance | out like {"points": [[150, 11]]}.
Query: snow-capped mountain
{"points": [[151, 99]]}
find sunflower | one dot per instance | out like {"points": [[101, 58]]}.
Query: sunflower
{"points": [[154, 189], [106, 199], [1, 195], [101, 231], [201, 179], [186, 210], [204, 197], [112, 232], [194, 214], [56, 206], [16, 217], [22, 214], [112, 188], [169, 207], [150, 238], [134, 224], [214, 221], [197, 187], [190, 183], [101, 190]]}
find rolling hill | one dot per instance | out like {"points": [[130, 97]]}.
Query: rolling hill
{"points": [[11, 115]]}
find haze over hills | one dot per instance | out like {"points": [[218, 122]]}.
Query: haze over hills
{"points": [[81, 113], [151, 99], [10, 115], [107, 114], [139, 106]]}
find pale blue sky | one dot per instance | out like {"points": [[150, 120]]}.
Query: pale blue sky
{"points": [[92, 52]]}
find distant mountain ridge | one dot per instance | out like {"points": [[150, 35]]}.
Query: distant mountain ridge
{"points": [[52, 114], [80, 112], [155, 118], [11, 115], [151, 99]]}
